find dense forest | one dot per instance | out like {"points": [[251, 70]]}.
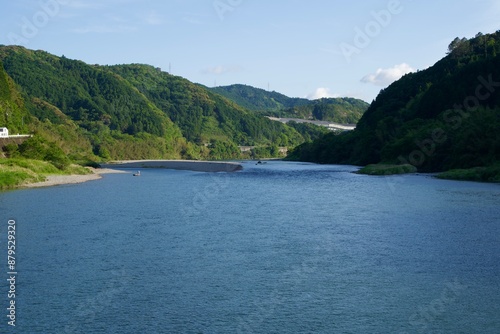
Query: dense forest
{"points": [[94, 112], [339, 110], [202, 115], [257, 99], [445, 117], [87, 111]]}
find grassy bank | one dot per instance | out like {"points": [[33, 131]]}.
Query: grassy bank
{"points": [[384, 169], [479, 174], [15, 173]]}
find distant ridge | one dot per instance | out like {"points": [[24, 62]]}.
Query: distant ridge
{"points": [[257, 99], [340, 110]]}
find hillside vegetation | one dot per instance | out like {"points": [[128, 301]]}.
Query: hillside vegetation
{"points": [[12, 108], [339, 110], [442, 118], [87, 111], [203, 116], [94, 113]]}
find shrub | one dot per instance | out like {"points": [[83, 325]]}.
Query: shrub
{"points": [[38, 148], [11, 150]]}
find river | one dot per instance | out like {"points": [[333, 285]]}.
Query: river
{"points": [[280, 247]]}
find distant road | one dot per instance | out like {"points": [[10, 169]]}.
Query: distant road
{"points": [[329, 125]]}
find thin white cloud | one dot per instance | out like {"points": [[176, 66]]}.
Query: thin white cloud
{"points": [[321, 93], [194, 18], [102, 29], [76, 4], [96, 3], [385, 76], [218, 70], [154, 19]]}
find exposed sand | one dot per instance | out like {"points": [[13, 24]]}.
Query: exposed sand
{"points": [[55, 180], [192, 165]]}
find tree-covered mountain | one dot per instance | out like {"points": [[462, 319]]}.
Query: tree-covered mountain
{"points": [[445, 117], [12, 108], [202, 115], [340, 110], [55, 144], [127, 111], [104, 111], [257, 99], [345, 110]]}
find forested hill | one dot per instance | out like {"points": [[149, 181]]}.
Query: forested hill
{"points": [[340, 110], [12, 109], [257, 99], [202, 115], [129, 111], [441, 118]]}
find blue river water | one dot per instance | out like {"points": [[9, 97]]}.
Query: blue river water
{"points": [[275, 248]]}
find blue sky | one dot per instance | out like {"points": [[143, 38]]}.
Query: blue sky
{"points": [[301, 48]]}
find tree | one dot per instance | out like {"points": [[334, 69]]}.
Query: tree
{"points": [[454, 44], [461, 45]]}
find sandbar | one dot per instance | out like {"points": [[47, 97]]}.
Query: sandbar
{"points": [[191, 165], [56, 180]]}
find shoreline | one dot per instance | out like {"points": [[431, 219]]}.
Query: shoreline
{"points": [[115, 166], [191, 165], [59, 180]]}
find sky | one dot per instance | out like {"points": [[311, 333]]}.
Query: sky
{"points": [[300, 48]]}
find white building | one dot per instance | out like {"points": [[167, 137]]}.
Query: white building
{"points": [[4, 133]]}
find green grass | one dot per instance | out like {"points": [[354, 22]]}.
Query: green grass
{"points": [[14, 178], [479, 174], [15, 173], [384, 169], [40, 167]]}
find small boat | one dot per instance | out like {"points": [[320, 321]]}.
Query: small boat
{"points": [[261, 163], [138, 173]]}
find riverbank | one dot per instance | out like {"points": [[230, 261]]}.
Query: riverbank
{"points": [[477, 174], [116, 166], [18, 172], [192, 165], [56, 180], [489, 174], [26, 173], [384, 169]]}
